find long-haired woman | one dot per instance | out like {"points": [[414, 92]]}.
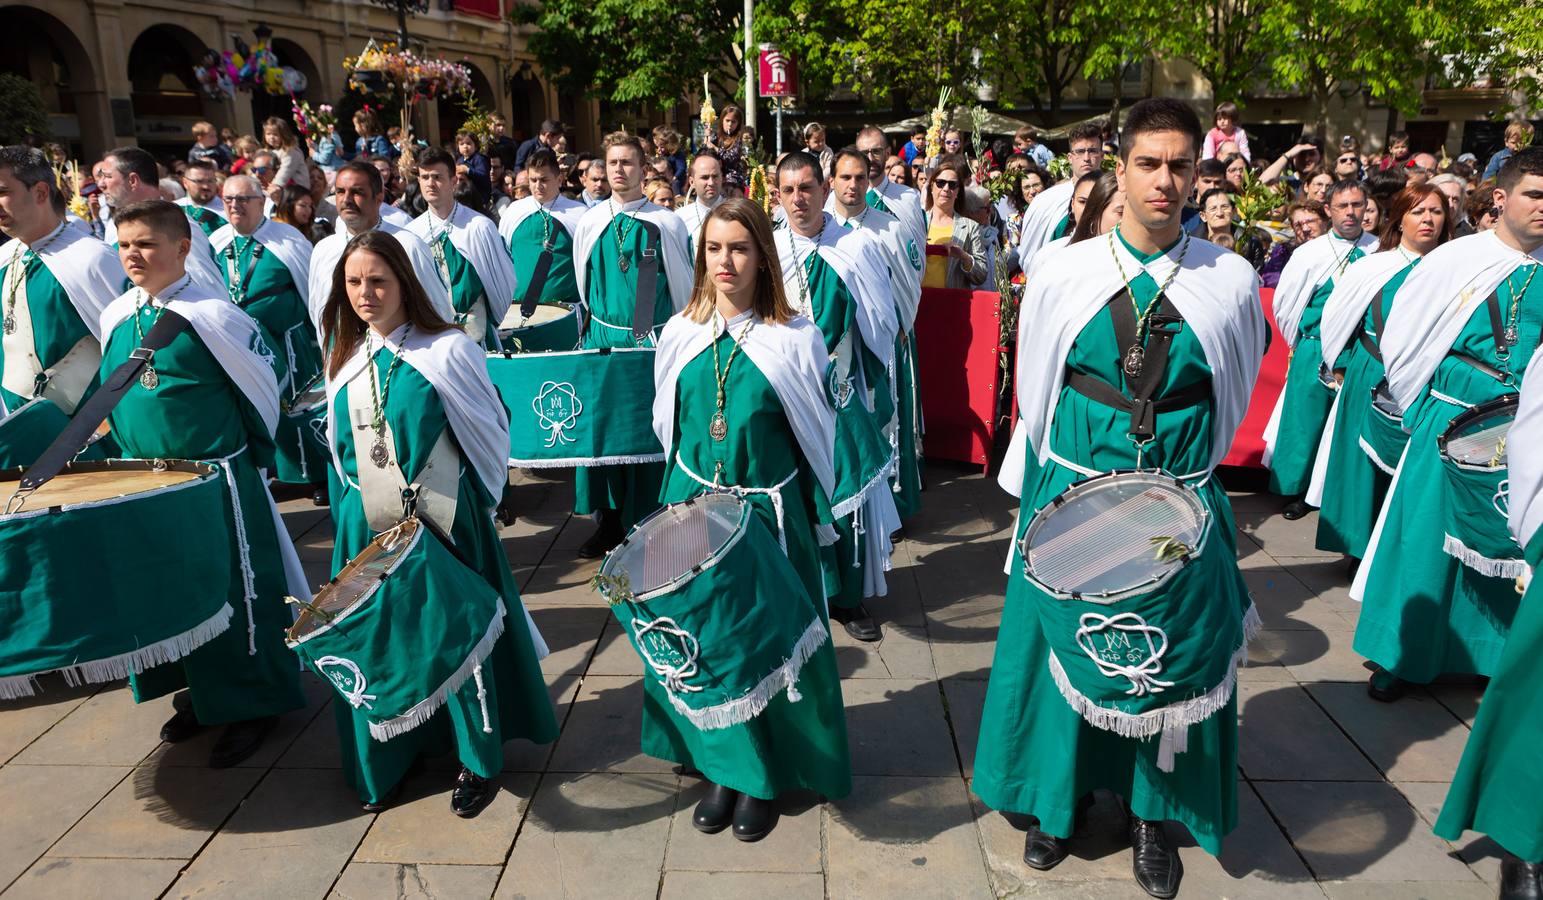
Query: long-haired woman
{"points": [[1101, 210], [740, 406], [728, 140], [404, 389], [956, 250]]}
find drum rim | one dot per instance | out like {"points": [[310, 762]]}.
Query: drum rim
{"points": [[418, 528], [287, 405], [207, 472], [745, 511], [548, 354], [1108, 598], [570, 306], [1473, 413]]}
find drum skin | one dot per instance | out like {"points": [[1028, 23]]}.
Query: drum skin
{"points": [[553, 326]]}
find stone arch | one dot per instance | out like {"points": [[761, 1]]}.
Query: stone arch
{"points": [[39, 47]]}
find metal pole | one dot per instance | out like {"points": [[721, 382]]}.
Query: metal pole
{"points": [[751, 60], [777, 109], [401, 25]]}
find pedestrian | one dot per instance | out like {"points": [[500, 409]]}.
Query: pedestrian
{"points": [[728, 141]]}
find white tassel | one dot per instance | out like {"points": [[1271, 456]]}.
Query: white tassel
{"points": [[248, 577], [1473, 559], [753, 703], [426, 708], [482, 700]]}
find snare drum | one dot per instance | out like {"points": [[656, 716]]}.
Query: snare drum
{"points": [[718, 614], [1382, 430], [88, 589], [578, 408], [1331, 379], [400, 629], [1473, 458], [553, 326], [303, 457], [26, 432]]}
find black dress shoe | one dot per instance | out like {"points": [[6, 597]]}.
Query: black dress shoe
{"points": [[1385, 687], [182, 725], [386, 800], [319, 496], [1154, 861], [1043, 851], [240, 740], [1296, 509], [1520, 880], [858, 622], [716, 810], [472, 792], [608, 533], [752, 818]]}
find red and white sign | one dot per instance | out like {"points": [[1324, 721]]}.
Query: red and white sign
{"points": [[778, 77]]}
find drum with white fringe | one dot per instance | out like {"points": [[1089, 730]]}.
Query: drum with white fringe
{"points": [[710, 602], [552, 326], [400, 629], [111, 567], [1473, 462], [578, 408], [1382, 430], [302, 435]]}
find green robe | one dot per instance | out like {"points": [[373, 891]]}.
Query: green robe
{"points": [[1498, 782], [1354, 487], [789, 746], [632, 489], [1423, 613], [525, 249], [56, 325], [197, 413], [206, 219], [466, 287], [1036, 755], [517, 698], [1307, 400], [272, 298], [1063, 228]]}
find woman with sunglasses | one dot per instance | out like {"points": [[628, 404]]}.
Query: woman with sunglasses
{"points": [[956, 253]]}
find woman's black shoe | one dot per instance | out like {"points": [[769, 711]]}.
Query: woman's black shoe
{"points": [[752, 818], [716, 810], [1043, 851], [182, 725], [385, 802], [1296, 509], [1385, 687], [1154, 861], [472, 792]]}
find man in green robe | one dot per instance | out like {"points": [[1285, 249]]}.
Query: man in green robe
{"points": [[544, 222], [130, 175], [203, 204]]}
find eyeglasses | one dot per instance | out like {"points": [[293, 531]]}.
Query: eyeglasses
{"points": [[261, 170], [872, 151], [1086, 151], [1348, 159], [945, 184], [243, 198]]}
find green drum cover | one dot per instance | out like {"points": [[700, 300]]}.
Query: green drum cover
{"points": [[580, 408], [27, 431], [555, 334], [303, 457], [1383, 438], [1476, 533], [864, 457]]}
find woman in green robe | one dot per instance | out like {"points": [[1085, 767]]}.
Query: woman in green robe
{"points": [[739, 351], [431, 380]]}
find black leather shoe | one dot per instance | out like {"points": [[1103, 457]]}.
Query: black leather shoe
{"points": [[240, 740], [472, 792], [1154, 861], [181, 726], [1520, 880], [1296, 509], [716, 810], [1043, 851], [386, 800], [752, 818], [858, 622], [319, 496], [1385, 687], [608, 533]]}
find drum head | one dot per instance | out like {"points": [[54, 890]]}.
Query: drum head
{"points": [[101, 481], [675, 543], [1477, 437], [1114, 534], [1382, 402], [314, 394], [545, 312], [357, 580]]}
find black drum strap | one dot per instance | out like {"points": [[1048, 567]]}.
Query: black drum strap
{"points": [[1497, 321], [1162, 327], [648, 279], [537, 281], [95, 410]]}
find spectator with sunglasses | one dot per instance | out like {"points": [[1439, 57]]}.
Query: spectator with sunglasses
{"points": [[956, 250]]}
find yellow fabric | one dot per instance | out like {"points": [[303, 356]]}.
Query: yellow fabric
{"points": [[936, 275]]}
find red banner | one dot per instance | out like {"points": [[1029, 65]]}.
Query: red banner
{"points": [[1248, 443], [956, 362], [777, 76]]}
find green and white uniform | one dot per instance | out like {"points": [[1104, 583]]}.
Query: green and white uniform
{"points": [[904, 203], [1047, 218], [694, 215], [215, 399], [474, 265], [266, 275], [1428, 608], [1036, 754], [434, 386], [526, 227], [608, 234], [1296, 426], [776, 457], [839, 279], [328, 252], [210, 218]]}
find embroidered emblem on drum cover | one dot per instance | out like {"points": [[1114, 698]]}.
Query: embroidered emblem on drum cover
{"points": [[1125, 646], [840, 389], [671, 651], [346, 677], [557, 406], [1502, 499]]}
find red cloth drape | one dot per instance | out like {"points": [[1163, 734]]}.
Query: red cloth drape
{"points": [[1248, 443], [956, 362]]}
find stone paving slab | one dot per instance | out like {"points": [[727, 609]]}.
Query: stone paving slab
{"points": [[1336, 794]]}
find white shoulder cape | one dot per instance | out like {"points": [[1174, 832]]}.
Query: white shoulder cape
{"points": [[566, 210], [1361, 284], [216, 204], [475, 237], [693, 215], [1045, 212], [324, 261], [396, 215], [906, 261], [793, 359], [87, 269], [1311, 264], [1527, 468], [284, 241], [859, 262], [1436, 301], [905, 204], [677, 264]]}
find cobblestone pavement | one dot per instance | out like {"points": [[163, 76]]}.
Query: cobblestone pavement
{"points": [[1337, 798]]}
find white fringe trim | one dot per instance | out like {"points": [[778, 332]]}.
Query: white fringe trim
{"points": [[1376, 460], [1473, 559], [425, 709], [1171, 721], [574, 461], [853, 503], [752, 704], [123, 665]]}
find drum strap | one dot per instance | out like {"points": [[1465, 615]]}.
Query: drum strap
{"points": [[382, 489], [533, 288], [95, 410], [63, 383], [1164, 326], [648, 278]]}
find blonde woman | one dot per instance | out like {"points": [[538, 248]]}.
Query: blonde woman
{"points": [[279, 138]]}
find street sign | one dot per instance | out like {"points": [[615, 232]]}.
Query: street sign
{"points": [[777, 77]]}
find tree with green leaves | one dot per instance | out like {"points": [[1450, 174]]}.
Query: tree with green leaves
{"points": [[1223, 40], [22, 113], [1040, 48]]}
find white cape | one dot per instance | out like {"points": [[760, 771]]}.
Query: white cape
{"points": [[1311, 264], [474, 236], [1045, 212], [905, 204], [86, 268], [860, 263], [1454, 280], [676, 264], [396, 215], [1526, 469], [1354, 292], [565, 210], [326, 254], [906, 261], [693, 215], [284, 241], [793, 359]]}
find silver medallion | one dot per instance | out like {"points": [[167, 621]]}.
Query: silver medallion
{"points": [[148, 379], [1135, 361], [1512, 336], [378, 454], [624, 264], [719, 427]]}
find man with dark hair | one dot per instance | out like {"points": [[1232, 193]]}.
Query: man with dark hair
{"points": [[1305, 285], [212, 393], [201, 180], [838, 279], [1210, 175], [884, 195], [358, 192], [596, 186], [1047, 218], [470, 258], [551, 130], [543, 222], [706, 174], [55, 280], [129, 175], [1141, 354]]}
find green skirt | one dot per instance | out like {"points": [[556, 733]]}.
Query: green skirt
{"points": [[908, 476], [1303, 415], [1354, 487]]}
